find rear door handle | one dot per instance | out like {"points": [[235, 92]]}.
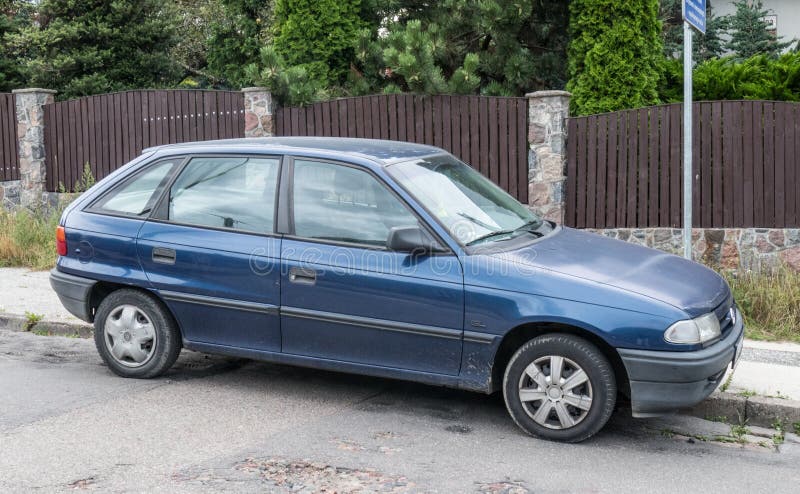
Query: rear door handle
{"points": [[163, 255], [303, 276]]}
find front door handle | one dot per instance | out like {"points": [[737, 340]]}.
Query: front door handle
{"points": [[163, 255], [303, 276]]}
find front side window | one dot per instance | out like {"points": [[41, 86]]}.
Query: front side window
{"points": [[470, 206], [344, 204], [226, 192], [137, 195]]}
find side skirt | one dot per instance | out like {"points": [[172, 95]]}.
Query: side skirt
{"points": [[339, 366]]}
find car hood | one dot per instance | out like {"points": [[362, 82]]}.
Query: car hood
{"points": [[684, 284]]}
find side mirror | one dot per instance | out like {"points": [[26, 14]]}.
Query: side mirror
{"points": [[412, 239]]}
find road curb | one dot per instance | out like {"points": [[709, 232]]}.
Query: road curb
{"points": [[759, 411], [47, 328]]}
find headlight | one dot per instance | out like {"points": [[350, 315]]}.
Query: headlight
{"points": [[698, 330]]}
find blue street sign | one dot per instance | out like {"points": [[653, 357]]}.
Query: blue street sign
{"points": [[694, 12]]}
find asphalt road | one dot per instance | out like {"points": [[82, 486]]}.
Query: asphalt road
{"points": [[216, 425]]}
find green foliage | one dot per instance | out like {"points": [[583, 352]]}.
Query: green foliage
{"points": [[318, 36], [410, 56], [614, 55], [32, 319], [758, 77], [14, 15], [749, 34], [96, 46], [196, 18], [704, 46], [84, 183], [28, 239], [770, 303], [290, 85], [237, 31], [466, 46]]}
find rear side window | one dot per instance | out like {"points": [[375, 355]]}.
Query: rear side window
{"points": [[226, 192], [137, 195]]}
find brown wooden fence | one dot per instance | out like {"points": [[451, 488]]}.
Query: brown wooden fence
{"points": [[624, 168], [109, 130], [489, 133], [9, 157]]}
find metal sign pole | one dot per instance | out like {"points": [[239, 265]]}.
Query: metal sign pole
{"points": [[687, 140]]}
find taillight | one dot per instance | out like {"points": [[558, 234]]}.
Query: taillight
{"points": [[61, 241]]}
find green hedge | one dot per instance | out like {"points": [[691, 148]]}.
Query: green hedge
{"points": [[758, 77]]}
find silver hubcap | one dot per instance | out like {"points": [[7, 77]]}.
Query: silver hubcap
{"points": [[130, 336], [555, 392]]}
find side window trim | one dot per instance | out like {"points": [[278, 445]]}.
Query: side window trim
{"points": [[180, 162], [161, 211], [288, 206]]}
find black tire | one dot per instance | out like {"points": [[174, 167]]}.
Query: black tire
{"points": [[165, 346], [601, 386]]}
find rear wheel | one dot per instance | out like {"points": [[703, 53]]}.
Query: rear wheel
{"points": [[135, 335], [559, 387]]}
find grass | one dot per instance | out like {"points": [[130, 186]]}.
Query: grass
{"points": [[780, 434], [28, 239], [738, 432], [770, 303], [31, 320]]}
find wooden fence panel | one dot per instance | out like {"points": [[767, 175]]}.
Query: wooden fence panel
{"points": [[9, 155], [625, 168], [106, 131], [489, 133]]}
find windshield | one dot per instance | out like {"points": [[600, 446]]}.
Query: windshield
{"points": [[465, 202]]}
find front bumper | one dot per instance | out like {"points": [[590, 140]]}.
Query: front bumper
{"points": [[662, 382], [73, 292]]}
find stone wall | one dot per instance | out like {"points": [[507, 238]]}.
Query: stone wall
{"points": [[547, 158], [257, 112], [30, 131], [9, 194], [754, 249]]}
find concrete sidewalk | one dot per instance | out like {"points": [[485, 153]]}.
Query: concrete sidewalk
{"points": [[768, 369]]}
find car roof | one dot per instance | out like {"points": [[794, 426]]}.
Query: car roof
{"points": [[381, 151]]}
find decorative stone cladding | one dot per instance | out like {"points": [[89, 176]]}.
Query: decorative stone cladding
{"points": [[9, 194], [757, 249], [257, 112], [30, 131], [547, 154]]}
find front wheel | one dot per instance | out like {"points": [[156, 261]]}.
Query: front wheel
{"points": [[135, 335], [559, 387]]}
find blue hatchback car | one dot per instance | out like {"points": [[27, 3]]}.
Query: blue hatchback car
{"points": [[389, 259]]}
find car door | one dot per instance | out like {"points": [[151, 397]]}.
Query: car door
{"points": [[345, 296], [210, 251]]}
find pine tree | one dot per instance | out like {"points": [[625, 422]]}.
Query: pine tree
{"points": [[704, 46], [96, 46], [615, 54], [491, 46], [748, 31]]}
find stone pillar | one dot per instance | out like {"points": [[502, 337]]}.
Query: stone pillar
{"points": [[258, 112], [547, 157], [30, 135]]}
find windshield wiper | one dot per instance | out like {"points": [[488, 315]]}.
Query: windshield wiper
{"points": [[529, 227], [489, 235]]}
